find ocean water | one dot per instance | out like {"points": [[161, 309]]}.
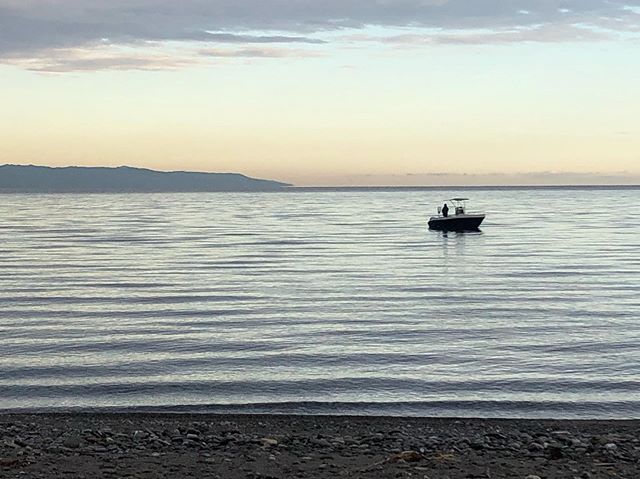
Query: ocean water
{"points": [[322, 302]]}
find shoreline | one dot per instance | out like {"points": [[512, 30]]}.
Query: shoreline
{"points": [[516, 410], [177, 445], [143, 413]]}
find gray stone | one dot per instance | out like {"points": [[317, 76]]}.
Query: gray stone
{"points": [[555, 453], [72, 442], [140, 435], [536, 447]]}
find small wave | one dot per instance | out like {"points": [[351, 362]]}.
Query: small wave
{"points": [[618, 410]]}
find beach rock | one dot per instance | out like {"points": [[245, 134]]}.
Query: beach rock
{"points": [[19, 442], [322, 443], [555, 453], [406, 456], [72, 442], [140, 435], [515, 446], [477, 444], [9, 443], [536, 447]]}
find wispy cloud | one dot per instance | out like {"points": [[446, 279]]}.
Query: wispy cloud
{"points": [[153, 58], [65, 61], [258, 53], [537, 34], [235, 38], [31, 28]]}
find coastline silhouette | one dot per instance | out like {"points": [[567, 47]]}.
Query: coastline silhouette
{"points": [[38, 179]]}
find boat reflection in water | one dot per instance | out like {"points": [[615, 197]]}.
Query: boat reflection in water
{"points": [[460, 220]]}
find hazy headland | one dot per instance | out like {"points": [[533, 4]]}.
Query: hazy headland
{"points": [[44, 179]]}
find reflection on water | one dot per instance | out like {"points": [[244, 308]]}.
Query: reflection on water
{"points": [[457, 234], [322, 301]]}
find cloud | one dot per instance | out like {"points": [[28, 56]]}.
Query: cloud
{"points": [[65, 60], [78, 60], [537, 34], [257, 53], [31, 28]]}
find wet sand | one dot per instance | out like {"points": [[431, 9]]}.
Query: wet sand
{"points": [[245, 446]]}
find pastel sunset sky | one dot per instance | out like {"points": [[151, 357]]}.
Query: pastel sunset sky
{"points": [[327, 92]]}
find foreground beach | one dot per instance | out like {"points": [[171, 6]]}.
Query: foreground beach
{"points": [[235, 446]]}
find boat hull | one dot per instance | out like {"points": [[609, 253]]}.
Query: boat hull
{"points": [[456, 223]]}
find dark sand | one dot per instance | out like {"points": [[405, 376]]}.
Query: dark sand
{"points": [[211, 446]]}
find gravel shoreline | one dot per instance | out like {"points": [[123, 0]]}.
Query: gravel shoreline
{"points": [[270, 447]]}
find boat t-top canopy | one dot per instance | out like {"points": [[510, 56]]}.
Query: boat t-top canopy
{"points": [[458, 201]]}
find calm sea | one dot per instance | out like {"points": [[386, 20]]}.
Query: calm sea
{"points": [[322, 302]]}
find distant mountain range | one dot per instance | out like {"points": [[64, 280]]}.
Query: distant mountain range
{"points": [[124, 179]]}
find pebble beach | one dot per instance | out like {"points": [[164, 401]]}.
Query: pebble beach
{"points": [[273, 447]]}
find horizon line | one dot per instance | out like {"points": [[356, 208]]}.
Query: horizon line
{"points": [[620, 175]]}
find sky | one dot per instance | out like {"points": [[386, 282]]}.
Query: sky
{"points": [[335, 92]]}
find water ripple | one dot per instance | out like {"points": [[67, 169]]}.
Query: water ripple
{"points": [[322, 302]]}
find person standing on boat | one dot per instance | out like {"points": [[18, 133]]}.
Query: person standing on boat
{"points": [[445, 210]]}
